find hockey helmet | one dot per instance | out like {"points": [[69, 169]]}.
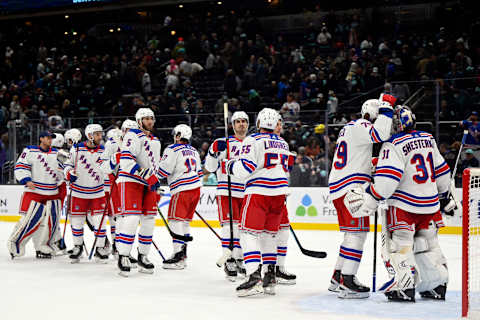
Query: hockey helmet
{"points": [[239, 115], [91, 129], [404, 119], [182, 131], [371, 107], [143, 113], [267, 119], [73, 136], [115, 134], [128, 124], [58, 141]]}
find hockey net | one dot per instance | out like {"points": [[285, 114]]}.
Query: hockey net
{"points": [[471, 244]]}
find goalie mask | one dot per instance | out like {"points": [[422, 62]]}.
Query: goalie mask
{"points": [[404, 119]]}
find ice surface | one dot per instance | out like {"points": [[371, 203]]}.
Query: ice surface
{"points": [[56, 289]]}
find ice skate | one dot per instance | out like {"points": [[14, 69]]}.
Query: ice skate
{"points": [[269, 280], [351, 288], [145, 266], [101, 255], [241, 272], [176, 262], [335, 281], [252, 286], [76, 254], [124, 266], [284, 277], [230, 268], [407, 295]]}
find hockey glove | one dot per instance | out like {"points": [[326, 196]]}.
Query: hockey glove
{"points": [[448, 205], [219, 145], [388, 98], [368, 207], [149, 176], [227, 166], [353, 200], [72, 176]]}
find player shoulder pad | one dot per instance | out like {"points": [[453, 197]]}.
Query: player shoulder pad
{"points": [[135, 131], [360, 121], [102, 147], [54, 149], [33, 148], [260, 136]]}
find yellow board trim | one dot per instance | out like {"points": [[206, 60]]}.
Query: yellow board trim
{"points": [[295, 225]]}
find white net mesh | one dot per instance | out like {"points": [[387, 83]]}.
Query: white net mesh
{"points": [[474, 244]]}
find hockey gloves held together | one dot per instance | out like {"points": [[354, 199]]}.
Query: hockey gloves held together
{"points": [[151, 178]]}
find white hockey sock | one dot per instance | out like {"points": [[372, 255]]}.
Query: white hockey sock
{"points": [[186, 228], [125, 235], [112, 221], [177, 227], [282, 244], [251, 251], [145, 234], [237, 248], [99, 231], [351, 250], [77, 223], [268, 245]]}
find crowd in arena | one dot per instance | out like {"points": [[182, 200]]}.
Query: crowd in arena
{"points": [[49, 77]]}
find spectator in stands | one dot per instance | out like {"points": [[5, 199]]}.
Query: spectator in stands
{"points": [[313, 149], [301, 174], [473, 127], [290, 110], [469, 162], [324, 37]]}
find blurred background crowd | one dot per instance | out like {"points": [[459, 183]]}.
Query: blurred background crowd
{"points": [[184, 61]]}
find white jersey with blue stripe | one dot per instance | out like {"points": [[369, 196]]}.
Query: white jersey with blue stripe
{"points": [[109, 161], [411, 173], [351, 166], [213, 164], [182, 167], [138, 150], [90, 177], [42, 168], [263, 164]]}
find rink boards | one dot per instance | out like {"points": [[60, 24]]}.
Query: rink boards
{"points": [[308, 208]]}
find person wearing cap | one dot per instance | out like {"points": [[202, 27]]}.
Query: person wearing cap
{"points": [[39, 171], [473, 127], [470, 161]]}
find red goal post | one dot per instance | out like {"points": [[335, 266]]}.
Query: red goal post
{"points": [[471, 243]]}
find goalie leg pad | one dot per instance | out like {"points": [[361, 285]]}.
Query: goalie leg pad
{"points": [[25, 229], [145, 234], [401, 263], [49, 229], [431, 262]]}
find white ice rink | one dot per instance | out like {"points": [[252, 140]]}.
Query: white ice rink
{"points": [[56, 289]]}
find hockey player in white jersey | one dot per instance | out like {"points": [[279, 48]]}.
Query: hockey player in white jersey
{"points": [[282, 275], [217, 153], [109, 160], [263, 164], [72, 137], [38, 169], [412, 175], [352, 168], [83, 171], [137, 183], [181, 166]]}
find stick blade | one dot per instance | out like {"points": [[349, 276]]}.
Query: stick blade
{"points": [[314, 254]]}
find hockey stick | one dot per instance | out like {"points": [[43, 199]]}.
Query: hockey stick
{"points": [[173, 234], [158, 250], [374, 275], [227, 254], [107, 202], [208, 225], [69, 199], [452, 179], [310, 253]]}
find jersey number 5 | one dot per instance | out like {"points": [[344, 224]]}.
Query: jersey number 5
{"points": [[341, 156], [422, 172]]}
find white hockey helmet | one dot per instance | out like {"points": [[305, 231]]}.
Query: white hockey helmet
{"points": [[73, 135], [115, 134], [128, 124], [239, 115], [371, 107], [58, 141], [182, 131], [268, 119], [91, 129], [143, 113]]}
